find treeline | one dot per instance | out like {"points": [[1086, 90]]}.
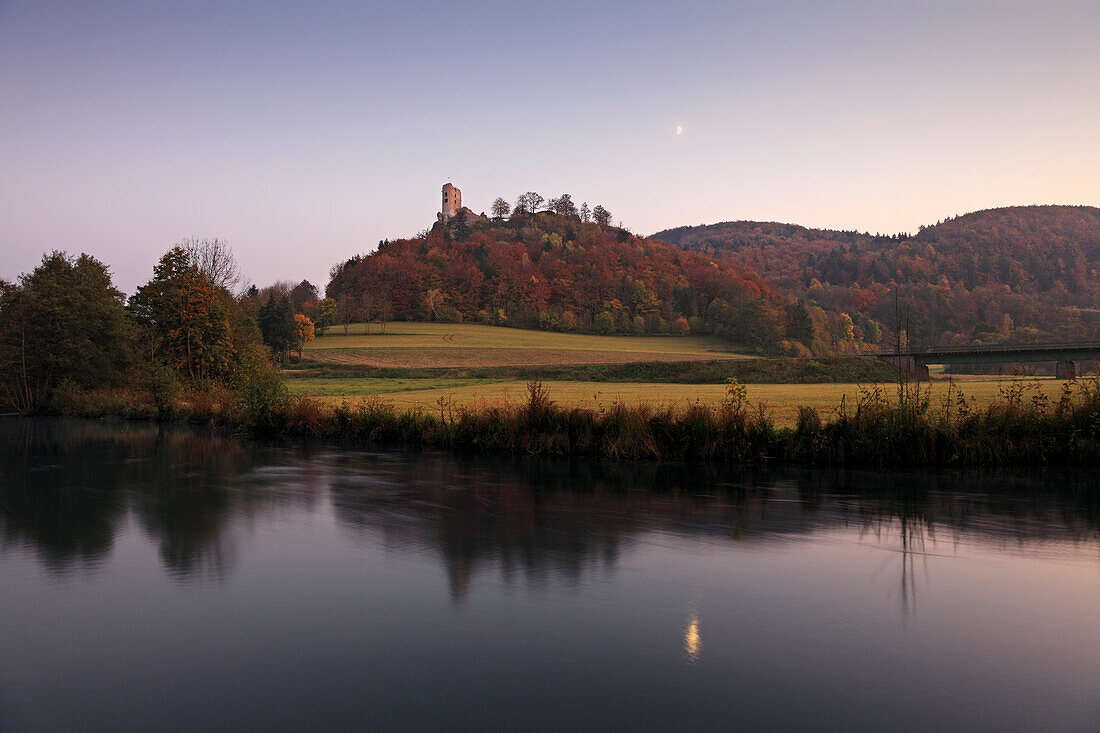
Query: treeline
{"points": [[1017, 274], [65, 328], [573, 271]]}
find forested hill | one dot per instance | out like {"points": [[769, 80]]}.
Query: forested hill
{"points": [[1023, 273], [557, 272]]}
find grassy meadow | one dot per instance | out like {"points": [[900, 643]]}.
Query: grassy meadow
{"points": [[780, 400], [429, 345], [491, 353]]}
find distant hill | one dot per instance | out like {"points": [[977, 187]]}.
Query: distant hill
{"points": [[555, 272], [1022, 273]]}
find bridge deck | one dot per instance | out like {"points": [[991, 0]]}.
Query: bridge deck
{"points": [[1002, 353]]}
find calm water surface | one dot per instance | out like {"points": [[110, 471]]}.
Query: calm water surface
{"points": [[162, 579]]}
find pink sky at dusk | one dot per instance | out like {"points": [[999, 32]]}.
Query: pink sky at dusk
{"points": [[304, 135]]}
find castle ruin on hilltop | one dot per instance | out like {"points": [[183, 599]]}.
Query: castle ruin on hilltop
{"points": [[452, 207], [452, 202]]}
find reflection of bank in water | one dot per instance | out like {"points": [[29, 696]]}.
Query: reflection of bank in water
{"points": [[69, 487], [692, 642]]}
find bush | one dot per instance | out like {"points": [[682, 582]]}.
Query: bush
{"points": [[547, 321], [447, 314], [207, 403], [261, 390], [165, 391], [809, 422]]}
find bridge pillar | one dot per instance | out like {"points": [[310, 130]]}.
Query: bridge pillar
{"points": [[1065, 370]]}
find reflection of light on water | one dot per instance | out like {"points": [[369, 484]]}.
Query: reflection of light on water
{"points": [[692, 642]]}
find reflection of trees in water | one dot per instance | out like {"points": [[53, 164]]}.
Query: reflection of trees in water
{"points": [[911, 513], [58, 497], [543, 518], [474, 516], [69, 485], [540, 519]]}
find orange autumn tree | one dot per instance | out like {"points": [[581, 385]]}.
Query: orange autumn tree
{"points": [[303, 332], [186, 323], [199, 343]]}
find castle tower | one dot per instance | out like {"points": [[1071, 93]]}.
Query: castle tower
{"points": [[452, 201]]}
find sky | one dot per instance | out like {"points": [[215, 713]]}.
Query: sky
{"points": [[304, 133]]}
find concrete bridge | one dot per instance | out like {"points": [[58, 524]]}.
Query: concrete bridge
{"points": [[1065, 356]]}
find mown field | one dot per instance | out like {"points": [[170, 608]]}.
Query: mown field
{"points": [[781, 400], [435, 365], [429, 345]]}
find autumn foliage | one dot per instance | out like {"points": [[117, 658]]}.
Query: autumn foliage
{"points": [[557, 272], [185, 319], [1027, 273], [303, 332]]}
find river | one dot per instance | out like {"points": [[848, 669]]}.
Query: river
{"points": [[160, 578]]}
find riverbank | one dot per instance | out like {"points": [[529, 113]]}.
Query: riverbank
{"points": [[887, 426]]}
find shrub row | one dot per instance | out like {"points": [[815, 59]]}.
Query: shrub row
{"points": [[844, 369]]}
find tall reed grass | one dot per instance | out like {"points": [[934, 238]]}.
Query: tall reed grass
{"points": [[880, 428]]}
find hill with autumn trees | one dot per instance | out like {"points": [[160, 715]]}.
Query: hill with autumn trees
{"points": [[1017, 274], [559, 271]]}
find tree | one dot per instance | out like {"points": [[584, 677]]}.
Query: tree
{"points": [[433, 299], [604, 323], [303, 332], [586, 215], [385, 308], [200, 344], [800, 326], [326, 315], [460, 230], [501, 209], [563, 205], [347, 309], [601, 216], [301, 294], [64, 322], [847, 328], [277, 324], [529, 202], [214, 260], [185, 321], [642, 300], [757, 324]]}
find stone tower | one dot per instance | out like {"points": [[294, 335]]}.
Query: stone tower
{"points": [[452, 201]]}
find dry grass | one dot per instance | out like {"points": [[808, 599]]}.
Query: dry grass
{"points": [[782, 400], [469, 345]]}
